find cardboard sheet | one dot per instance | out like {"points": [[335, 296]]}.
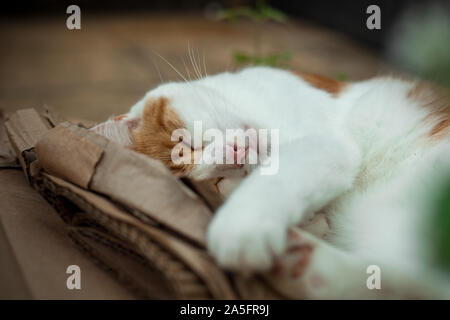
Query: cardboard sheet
{"points": [[115, 201], [8, 157], [25, 128], [35, 250], [128, 177], [174, 257]]}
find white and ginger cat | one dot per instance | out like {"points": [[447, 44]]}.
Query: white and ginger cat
{"points": [[365, 155]]}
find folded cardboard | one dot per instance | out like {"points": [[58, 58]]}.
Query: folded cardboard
{"points": [[128, 177], [119, 202], [35, 250], [8, 157]]}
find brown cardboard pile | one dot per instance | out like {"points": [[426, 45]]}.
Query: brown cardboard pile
{"points": [[125, 210]]}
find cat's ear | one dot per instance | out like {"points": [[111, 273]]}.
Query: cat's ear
{"points": [[119, 129], [159, 116], [330, 85]]}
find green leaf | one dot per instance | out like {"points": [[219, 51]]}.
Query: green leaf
{"points": [[237, 12], [341, 76], [261, 13], [441, 227], [269, 13], [272, 60], [242, 58]]}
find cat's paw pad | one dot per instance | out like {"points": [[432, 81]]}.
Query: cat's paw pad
{"points": [[245, 246], [297, 257]]}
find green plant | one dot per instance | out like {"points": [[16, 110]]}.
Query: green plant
{"points": [[441, 226], [260, 14], [341, 76]]}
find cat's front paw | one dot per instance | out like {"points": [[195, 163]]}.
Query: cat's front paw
{"points": [[245, 242]]}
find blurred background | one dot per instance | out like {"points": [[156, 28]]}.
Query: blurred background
{"points": [[123, 47]]}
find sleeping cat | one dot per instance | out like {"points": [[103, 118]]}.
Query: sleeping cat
{"points": [[365, 155]]}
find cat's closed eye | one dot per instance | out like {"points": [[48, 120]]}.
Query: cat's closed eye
{"points": [[189, 144]]}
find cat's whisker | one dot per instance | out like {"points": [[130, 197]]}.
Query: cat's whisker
{"points": [[186, 68], [204, 64], [199, 69], [194, 64], [158, 70], [171, 65], [190, 58]]}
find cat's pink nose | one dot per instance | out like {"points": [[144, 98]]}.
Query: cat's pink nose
{"points": [[238, 154]]}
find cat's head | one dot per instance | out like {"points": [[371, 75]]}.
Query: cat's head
{"points": [[165, 126]]}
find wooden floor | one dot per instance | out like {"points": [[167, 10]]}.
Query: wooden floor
{"points": [[108, 65]]}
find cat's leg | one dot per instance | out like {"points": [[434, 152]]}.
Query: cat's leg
{"points": [[249, 230], [310, 268], [387, 225]]}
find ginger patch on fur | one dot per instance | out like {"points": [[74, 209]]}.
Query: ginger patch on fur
{"points": [[437, 101], [332, 86], [153, 136]]}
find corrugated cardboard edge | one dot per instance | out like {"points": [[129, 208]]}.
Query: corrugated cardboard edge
{"points": [[131, 270], [8, 157], [151, 242], [25, 128], [68, 154]]}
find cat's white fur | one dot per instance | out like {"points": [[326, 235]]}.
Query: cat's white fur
{"points": [[363, 158]]}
